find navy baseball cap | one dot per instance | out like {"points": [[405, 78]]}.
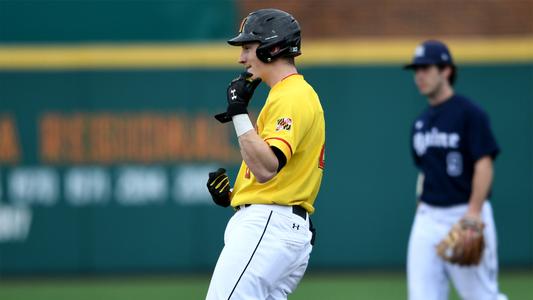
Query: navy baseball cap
{"points": [[431, 52]]}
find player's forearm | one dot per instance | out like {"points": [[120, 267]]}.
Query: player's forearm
{"points": [[258, 156], [481, 183]]}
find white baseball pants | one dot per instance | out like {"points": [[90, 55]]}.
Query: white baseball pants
{"points": [[265, 255], [428, 275]]}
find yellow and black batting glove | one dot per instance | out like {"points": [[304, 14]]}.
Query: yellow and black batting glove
{"points": [[219, 188]]}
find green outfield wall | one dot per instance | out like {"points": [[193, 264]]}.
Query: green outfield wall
{"points": [[48, 21], [104, 171]]}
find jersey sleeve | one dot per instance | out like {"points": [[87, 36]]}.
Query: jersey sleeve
{"points": [[481, 141], [284, 126]]}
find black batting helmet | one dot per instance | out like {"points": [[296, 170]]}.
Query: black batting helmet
{"points": [[271, 28]]}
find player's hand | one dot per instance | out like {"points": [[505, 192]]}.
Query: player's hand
{"points": [[219, 188], [239, 93]]}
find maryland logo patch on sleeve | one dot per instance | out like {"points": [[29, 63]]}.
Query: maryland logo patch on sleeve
{"points": [[284, 124]]}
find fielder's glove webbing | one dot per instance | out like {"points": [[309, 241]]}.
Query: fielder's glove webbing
{"points": [[239, 93], [219, 188], [464, 244]]}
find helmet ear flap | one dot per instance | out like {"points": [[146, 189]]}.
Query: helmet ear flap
{"points": [[264, 54], [267, 53]]}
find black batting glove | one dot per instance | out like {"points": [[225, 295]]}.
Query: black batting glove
{"points": [[239, 93], [219, 188]]}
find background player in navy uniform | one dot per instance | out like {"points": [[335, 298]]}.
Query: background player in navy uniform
{"points": [[453, 147]]}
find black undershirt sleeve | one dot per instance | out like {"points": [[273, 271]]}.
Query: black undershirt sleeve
{"points": [[282, 160]]}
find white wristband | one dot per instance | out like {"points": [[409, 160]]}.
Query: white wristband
{"points": [[242, 124]]}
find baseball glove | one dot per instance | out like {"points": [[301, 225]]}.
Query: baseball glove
{"points": [[464, 244]]}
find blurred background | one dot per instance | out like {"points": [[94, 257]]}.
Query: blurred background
{"points": [[107, 136]]}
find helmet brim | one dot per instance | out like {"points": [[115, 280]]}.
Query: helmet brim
{"points": [[244, 38]]}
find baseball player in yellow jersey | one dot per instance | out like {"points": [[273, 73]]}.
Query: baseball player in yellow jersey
{"points": [[268, 240]]}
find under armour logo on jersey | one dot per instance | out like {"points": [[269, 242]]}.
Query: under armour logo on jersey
{"points": [[233, 96], [294, 225]]}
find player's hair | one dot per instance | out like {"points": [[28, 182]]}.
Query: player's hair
{"points": [[453, 75]]}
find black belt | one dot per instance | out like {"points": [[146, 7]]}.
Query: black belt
{"points": [[296, 209], [299, 211]]}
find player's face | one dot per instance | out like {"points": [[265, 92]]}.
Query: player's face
{"points": [[249, 59], [429, 80]]}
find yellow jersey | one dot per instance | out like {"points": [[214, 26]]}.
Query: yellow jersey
{"points": [[291, 120]]}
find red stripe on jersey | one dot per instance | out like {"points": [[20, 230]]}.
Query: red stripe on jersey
{"points": [[289, 76], [280, 139], [321, 161]]}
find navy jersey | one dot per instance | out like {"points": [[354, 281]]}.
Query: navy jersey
{"points": [[447, 140]]}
